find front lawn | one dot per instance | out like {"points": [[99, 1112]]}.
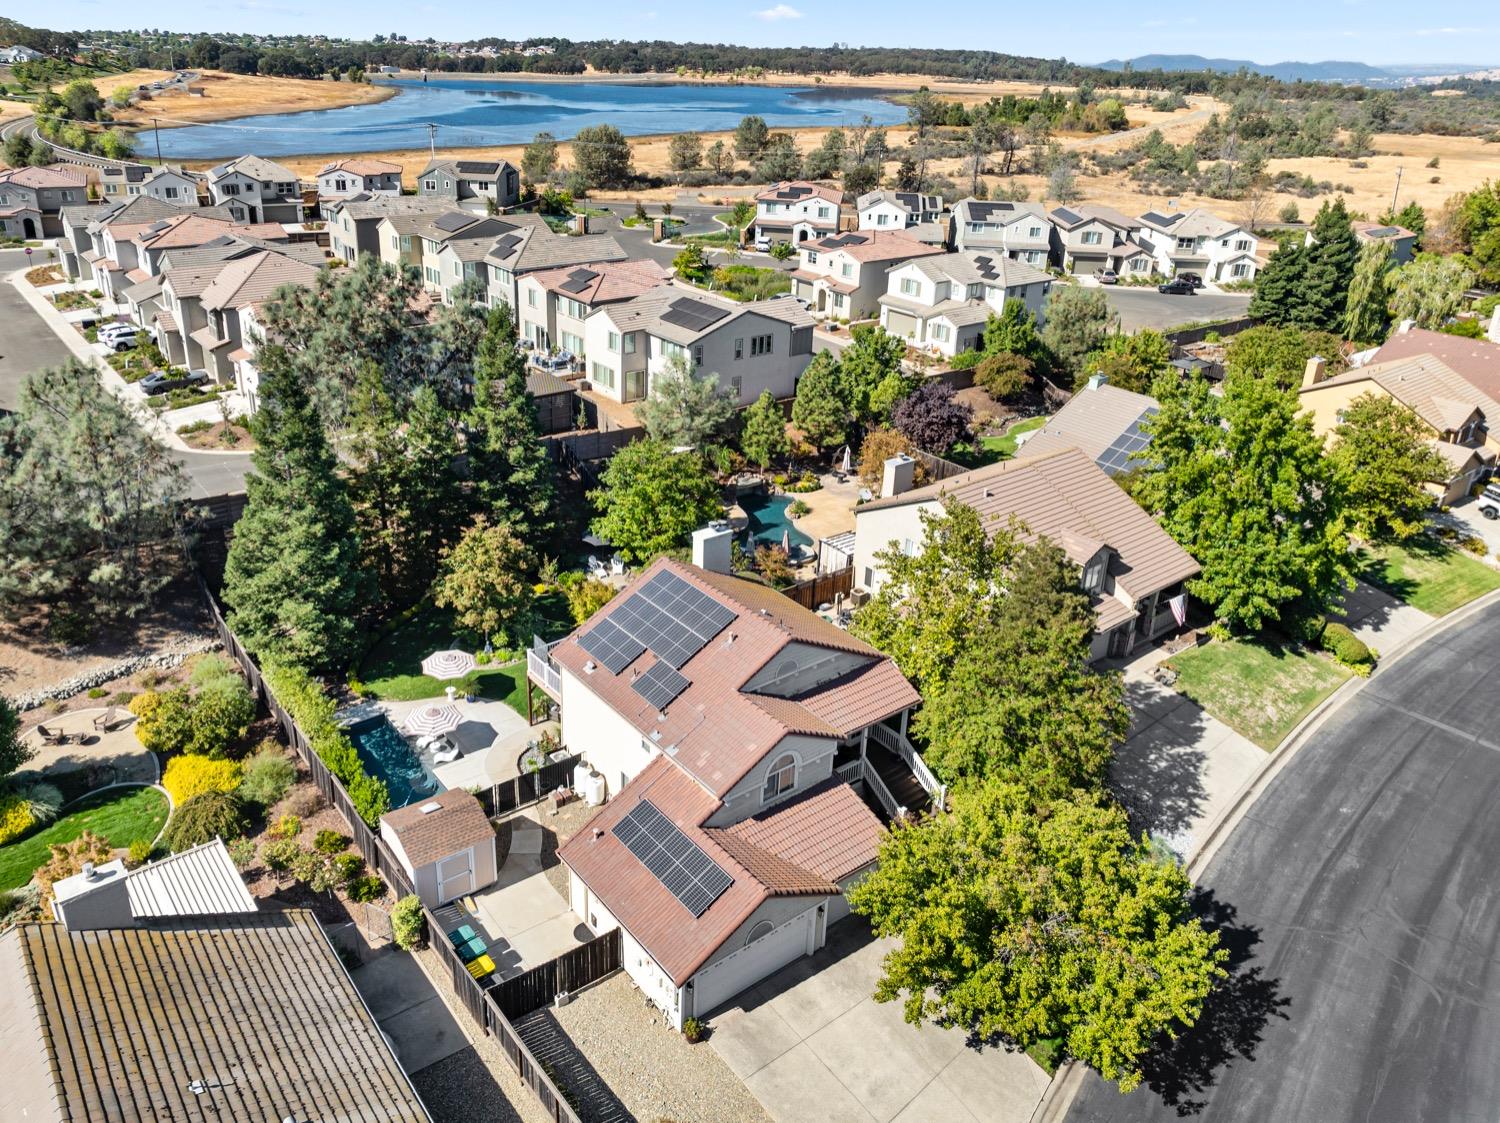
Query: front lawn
{"points": [[1256, 688], [120, 816], [990, 449], [1427, 574]]}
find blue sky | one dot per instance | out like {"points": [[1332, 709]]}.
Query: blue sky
{"points": [[1375, 31]]}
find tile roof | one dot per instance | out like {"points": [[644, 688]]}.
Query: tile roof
{"points": [[362, 166], [874, 245], [1476, 361], [999, 211], [256, 167], [537, 247], [980, 267], [1426, 385], [646, 312], [1190, 223], [780, 877], [612, 281], [1081, 213], [379, 206], [186, 230], [249, 1018], [1058, 496], [828, 830], [53, 175], [1093, 420], [457, 824], [794, 191]]}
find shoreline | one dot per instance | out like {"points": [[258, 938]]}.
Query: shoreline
{"points": [[204, 112]]}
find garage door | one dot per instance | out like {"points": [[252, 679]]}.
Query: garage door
{"points": [[455, 876], [721, 981], [900, 324]]}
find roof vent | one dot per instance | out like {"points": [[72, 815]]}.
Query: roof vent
{"points": [[429, 808], [88, 871], [728, 638], [588, 668], [598, 832]]}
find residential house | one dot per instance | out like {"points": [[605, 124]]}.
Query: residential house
{"points": [[897, 210], [495, 180], [447, 248], [1019, 230], [359, 175], [241, 284], [1402, 241], [748, 347], [729, 726], [354, 223], [167, 183], [796, 211], [225, 1016], [257, 189], [82, 241], [553, 304], [138, 250], [1102, 420], [843, 276], [1198, 242], [9, 56], [1131, 568], [531, 247], [1089, 238], [32, 199], [941, 303]]}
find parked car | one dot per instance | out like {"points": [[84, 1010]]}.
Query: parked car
{"points": [[1489, 501], [1192, 279], [1177, 286], [1106, 276], [763, 244], [163, 381], [114, 334]]}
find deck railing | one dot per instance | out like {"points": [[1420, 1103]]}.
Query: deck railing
{"points": [[883, 793], [890, 739], [541, 671]]}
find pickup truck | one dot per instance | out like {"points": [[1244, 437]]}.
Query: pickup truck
{"points": [[1489, 502]]}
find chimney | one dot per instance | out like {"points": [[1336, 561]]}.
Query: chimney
{"points": [[1097, 380], [1493, 335], [1405, 326], [95, 898], [899, 474], [711, 547], [1314, 372]]}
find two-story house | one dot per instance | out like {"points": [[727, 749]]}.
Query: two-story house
{"points": [[496, 180], [1090, 238], [264, 190], [897, 210], [32, 199], [168, 183], [1021, 231], [144, 297], [241, 284], [447, 248], [733, 731], [941, 303], [1197, 241], [354, 223], [747, 348], [553, 304], [359, 175], [1132, 569], [843, 276], [796, 211], [531, 247]]}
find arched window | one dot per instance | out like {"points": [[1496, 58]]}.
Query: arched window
{"points": [[764, 928], [782, 776]]}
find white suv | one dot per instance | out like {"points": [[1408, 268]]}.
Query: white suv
{"points": [[1489, 501]]}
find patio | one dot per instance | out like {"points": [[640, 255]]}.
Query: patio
{"points": [[113, 750], [490, 735]]}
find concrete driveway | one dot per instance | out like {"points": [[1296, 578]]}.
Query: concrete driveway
{"points": [[409, 1012], [1464, 517], [814, 1047]]}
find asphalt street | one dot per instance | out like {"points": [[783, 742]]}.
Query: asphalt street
{"points": [[1146, 308], [1361, 900]]}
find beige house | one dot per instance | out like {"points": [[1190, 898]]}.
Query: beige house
{"points": [[1132, 569], [941, 303], [554, 303], [844, 276]]}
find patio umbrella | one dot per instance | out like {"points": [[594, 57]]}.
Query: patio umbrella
{"points": [[434, 717], [844, 467], [786, 541], [448, 664]]}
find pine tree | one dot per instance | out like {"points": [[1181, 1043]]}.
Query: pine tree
{"points": [[1367, 314], [292, 581], [1278, 289], [1331, 257], [763, 436], [819, 409]]}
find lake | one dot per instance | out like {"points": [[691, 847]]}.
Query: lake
{"points": [[475, 112]]}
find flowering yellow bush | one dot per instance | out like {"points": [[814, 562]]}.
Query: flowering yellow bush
{"points": [[15, 817], [189, 774]]}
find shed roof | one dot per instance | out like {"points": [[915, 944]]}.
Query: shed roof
{"points": [[436, 828]]}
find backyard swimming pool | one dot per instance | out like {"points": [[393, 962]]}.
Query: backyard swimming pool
{"points": [[386, 756], [769, 520]]}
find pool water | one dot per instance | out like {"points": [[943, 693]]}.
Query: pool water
{"points": [[769, 520], [387, 756]]}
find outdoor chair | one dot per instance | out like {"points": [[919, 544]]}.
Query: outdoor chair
{"points": [[596, 567], [51, 738], [105, 721], [617, 566]]}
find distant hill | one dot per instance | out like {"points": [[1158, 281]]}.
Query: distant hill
{"points": [[1286, 71]]}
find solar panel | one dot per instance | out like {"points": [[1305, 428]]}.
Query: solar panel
{"points": [[453, 220], [671, 617], [1119, 457], [611, 645], [578, 280], [1383, 231], [694, 315], [477, 167], [506, 245], [986, 267], [660, 685], [675, 860], [1066, 215]]}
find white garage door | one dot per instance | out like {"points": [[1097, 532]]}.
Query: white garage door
{"points": [[455, 876], [721, 981]]}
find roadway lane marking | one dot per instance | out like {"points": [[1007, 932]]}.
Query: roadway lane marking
{"points": [[1463, 734]]}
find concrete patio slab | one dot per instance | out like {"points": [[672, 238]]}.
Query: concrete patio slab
{"points": [[799, 1086], [523, 909], [419, 1024], [937, 1103]]}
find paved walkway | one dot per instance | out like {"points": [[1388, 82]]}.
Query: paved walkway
{"points": [[1379, 619], [522, 907], [408, 1010]]}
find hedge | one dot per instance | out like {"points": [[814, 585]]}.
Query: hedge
{"points": [[1347, 648], [299, 695]]}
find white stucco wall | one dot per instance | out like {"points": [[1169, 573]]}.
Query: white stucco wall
{"points": [[611, 745], [877, 529], [814, 756]]}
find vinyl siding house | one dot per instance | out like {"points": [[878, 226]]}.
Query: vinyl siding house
{"points": [[843, 276], [359, 176], [457, 180], [530, 247], [448, 248], [32, 199], [1019, 230], [748, 348], [240, 285], [796, 211], [1197, 241], [1130, 566], [554, 304], [941, 303], [749, 735], [1401, 241], [265, 190], [167, 183], [1089, 238], [354, 223], [897, 210]]}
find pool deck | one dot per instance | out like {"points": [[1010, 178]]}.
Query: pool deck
{"points": [[488, 757], [832, 507]]}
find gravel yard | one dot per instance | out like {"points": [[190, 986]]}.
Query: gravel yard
{"points": [[656, 1074]]}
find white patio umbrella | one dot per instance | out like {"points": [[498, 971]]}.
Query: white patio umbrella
{"points": [[786, 541], [845, 466], [434, 717], [448, 664]]}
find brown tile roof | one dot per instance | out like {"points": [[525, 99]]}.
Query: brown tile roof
{"points": [[1092, 420], [426, 836], [121, 1025], [1426, 385], [251, 279], [612, 281], [50, 176], [828, 830], [1476, 361], [869, 695], [780, 877], [875, 245]]}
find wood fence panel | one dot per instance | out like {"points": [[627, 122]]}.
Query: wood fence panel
{"points": [[822, 588]]}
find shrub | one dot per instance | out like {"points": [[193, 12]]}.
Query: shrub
{"points": [[268, 775], [585, 595], [304, 802], [67, 859], [1347, 648], [241, 852], [43, 800], [966, 360], [208, 815], [1003, 375], [408, 925], [313, 711], [97, 692], [280, 854], [366, 889], [329, 842], [220, 713], [163, 720], [1475, 545], [796, 509], [139, 853], [348, 867], [15, 817], [191, 775], [123, 698], [692, 1030], [288, 826]]}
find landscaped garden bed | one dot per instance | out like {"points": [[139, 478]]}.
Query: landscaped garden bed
{"points": [[217, 434], [121, 816]]}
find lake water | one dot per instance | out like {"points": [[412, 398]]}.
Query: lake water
{"points": [[474, 112]]}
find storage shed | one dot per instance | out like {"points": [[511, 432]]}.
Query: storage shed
{"points": [[445, 844]]}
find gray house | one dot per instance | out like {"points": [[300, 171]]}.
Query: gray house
{"points": [[354, 223], [1022, 231], [32, 199], [472, 179], [267, 191]]}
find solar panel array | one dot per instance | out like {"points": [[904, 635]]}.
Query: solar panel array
{"points": [[478, 167], [694, 315], [672, 618], [608, 643], [504, 246], [578, 280], [453, 220], [1066, 215], [1117, 457], [675, 860], [986, 267], [660, 685]]}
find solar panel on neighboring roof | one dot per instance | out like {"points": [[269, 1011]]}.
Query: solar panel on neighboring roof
{"points": [[1067, 215], [578, 280], [1160, 219], [986, 267], [506, 246], [675, 860], [660, 685], [1117, 457], [1383, 231], [694, 315], [477, 167], [453, 220], [609, 644]]}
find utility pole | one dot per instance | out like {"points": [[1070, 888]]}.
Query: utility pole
{"points": [[432, 139], [157, 130], [1395, 194]]}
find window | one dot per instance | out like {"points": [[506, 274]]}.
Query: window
{"points": [[432, 246], [630, 343], [602, 375], [612, 341], [531, 298], [812, 257], [940, 332], [760, 344], [910, 287], [781, 778], [572, 343], [573, 308], [406, 241], [882, 219], [1240, 270], [433, 276], [1092, 237], [838, 300], [739, 348], [1242, 244], [698, 355], [670, 350], [231, 188], [1034, 232], [847, 269], [458, 269], [735, 383], [429, 185], [171, 192], [1093, 576], [339, 185], [822, 212]]}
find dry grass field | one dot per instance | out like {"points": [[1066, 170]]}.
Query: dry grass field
{"points": [[227, 96]]}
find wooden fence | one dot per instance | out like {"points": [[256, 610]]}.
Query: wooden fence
{"points": [[937, 468], [1200, 332], [821, 589], [528, 787], [571, 971]]}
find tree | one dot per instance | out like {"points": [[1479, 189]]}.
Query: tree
{"points": [[819, 409], [1382, 457], [750, 137], [827, 160], [691, 263], [860, 178], [871, 376], [653, 499], [1278, 289], [1131, 362], [1429, 290], [1077, 321], [483, 580], [601, 156], [14, 752], [89, 502], [718, 157], [779, 160], [1062, 183], [1013, 330], [933, 418], [82, 100], [539, 158], [763, 435], [684, 409], [1029, 922], [1330, 266], [740, 216], [1003, 375], [292, 579], [1280, 354], [879, 446], [685, 151], [1367, 314]]}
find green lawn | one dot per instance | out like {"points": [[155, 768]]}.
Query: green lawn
{"points": [[991, 449], [120, 817], [1260, 690], [1427, 574]]}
